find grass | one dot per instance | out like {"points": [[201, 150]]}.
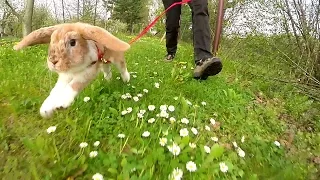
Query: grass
{"points": [[242, 105]]}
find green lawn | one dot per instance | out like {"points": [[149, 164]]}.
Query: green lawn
{"points": [[244, 107]]}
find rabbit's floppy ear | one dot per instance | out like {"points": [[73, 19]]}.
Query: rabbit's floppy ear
{"points": [[103, 37], [40, 36]]}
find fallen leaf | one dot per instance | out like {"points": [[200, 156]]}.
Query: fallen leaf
{"points": [[78, 172]]}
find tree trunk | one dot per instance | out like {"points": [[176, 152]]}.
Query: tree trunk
{"points": [[63, 17], [78, 10], [27, 18], [55, 12], [95, 13]]}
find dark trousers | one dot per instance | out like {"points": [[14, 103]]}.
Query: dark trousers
{"points": [[200, 27]]}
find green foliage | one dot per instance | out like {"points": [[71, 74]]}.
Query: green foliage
{"points": [[131, 12], [186, 23], [42, 17], [241, 104]]}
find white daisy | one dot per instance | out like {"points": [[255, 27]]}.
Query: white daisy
{"points": [[139, 115], [212, 121], [133, 169], [175, 149], [121, 136], [146, 134], [192, 145], [172, 120], [176, 174], [175, 98], [139, 95], [184, 132], [242, 139], [97, 176], [96, 144], [164, 114], [241, 153], [134, 76], [83, 145], [185, 121], [145, 90], [156, 85], [207, 128], [123, 96], [142, 111], [135, 98], [223, 167], [133, 87], [124, 112], [163, 141], [151, 120], [51, 129], [171, 108], [203, 103], [215, 139], [277, 143], [151, 107], [207, 149], [194, 131], [93, 154], [128, 95], [118, 78], [191, 166], [163, 107], [235, 145], [86, 99], [129, 109], [188, 102]]}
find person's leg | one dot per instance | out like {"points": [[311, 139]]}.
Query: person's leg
{"points": [[206, 64], [172, 27]]}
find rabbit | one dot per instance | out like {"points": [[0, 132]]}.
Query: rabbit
{"points": [[76, 52]]}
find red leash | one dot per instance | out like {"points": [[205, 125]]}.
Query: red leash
{"points": [[156, 19], [146, 29]]}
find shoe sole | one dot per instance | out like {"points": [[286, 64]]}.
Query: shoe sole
{"points": [[211, 68]]}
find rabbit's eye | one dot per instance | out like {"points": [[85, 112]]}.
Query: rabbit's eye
{"points": [[72, 42]]}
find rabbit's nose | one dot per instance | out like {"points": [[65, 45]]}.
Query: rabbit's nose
{"points": [[54, 62]]}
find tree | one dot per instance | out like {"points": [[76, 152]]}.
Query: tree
{"points": [[26, 18], [130, 12], [301, 20]]}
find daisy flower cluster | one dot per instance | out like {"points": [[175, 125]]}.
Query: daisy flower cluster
{"points": [[165, 112], [136, 97], [92, 154]]}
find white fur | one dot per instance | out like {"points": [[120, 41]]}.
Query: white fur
{"points": [[63, 95]]}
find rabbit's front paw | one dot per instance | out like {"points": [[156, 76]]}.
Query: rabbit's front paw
{"points": [[63, 102], [125, 76], [57, 100], [47, 107], [65, 98]]}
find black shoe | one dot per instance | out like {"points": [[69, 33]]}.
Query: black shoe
{"points": [[207, 67], [169, 57]]}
